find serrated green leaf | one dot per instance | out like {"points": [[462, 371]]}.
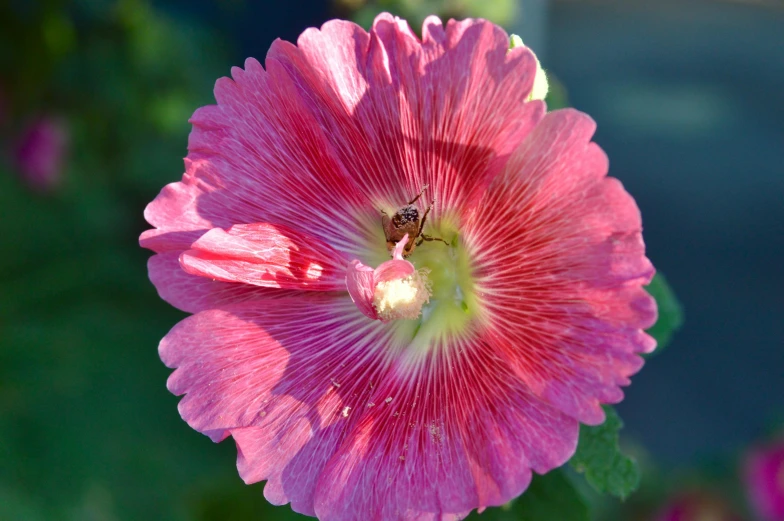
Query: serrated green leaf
{"points": [[670, 311], [550, 497], [598, 456]]}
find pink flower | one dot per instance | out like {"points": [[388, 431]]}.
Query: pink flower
{"points": [[40, 153], [697, 506], [764, 476], [431, 385]]}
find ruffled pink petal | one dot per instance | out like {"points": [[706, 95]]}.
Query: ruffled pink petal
{"points": [[193, 293], [175, 215], [268, 255], [345, 122], [560, 263], [453, 434], [290, 367], [402, 113], [343, 424], [257, 156]]}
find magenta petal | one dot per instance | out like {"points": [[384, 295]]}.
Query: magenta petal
{"points": [[290, 367], [320, 409], [764, 477], [402, 113], [361, 285], [257, 156], [440, 441], [393, 269], [345, 118], [266, 255]]}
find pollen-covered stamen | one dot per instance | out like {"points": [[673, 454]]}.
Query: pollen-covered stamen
{"points": [[395, 290], [402, 298]]}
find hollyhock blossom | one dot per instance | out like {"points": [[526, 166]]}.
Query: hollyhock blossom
{"points": [[361, 376], [40, 153], [764, 477]]}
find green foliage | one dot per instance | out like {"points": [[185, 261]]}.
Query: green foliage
{"points": [[599, 457], [501, 12], [670, 311], [549, 497], [88, 429]]}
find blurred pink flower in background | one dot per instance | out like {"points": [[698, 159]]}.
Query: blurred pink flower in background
{"points": [[40, 153], [764, 477], [426, 387], [697, 506]]}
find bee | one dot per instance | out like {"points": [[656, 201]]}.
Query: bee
{"points": [[406, 220]]}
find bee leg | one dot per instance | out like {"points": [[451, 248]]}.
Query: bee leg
{"points": [[428, 238], [424, 219], [412, 201]]}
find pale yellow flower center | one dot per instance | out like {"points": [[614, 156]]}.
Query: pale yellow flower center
{"points": [[438, 304], [402, 298]]}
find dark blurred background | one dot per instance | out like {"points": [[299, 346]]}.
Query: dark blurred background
{"points": [[94, 101]]}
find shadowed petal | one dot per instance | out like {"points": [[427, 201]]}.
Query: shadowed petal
{"points": [[257, 156], [403, 113]]}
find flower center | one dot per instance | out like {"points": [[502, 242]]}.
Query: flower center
{"points": [[452, 305], [402, 298]]}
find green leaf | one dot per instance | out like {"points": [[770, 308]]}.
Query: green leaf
{"points": [[598, 456], [670, 311], [550, 497]]}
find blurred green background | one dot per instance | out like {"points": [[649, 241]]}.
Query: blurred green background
{"points": [[689, 105]]}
